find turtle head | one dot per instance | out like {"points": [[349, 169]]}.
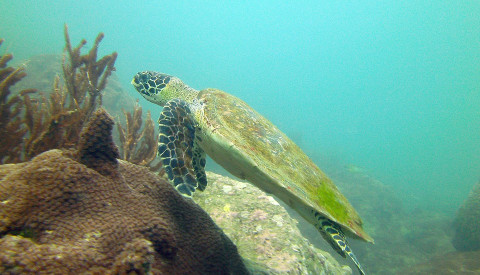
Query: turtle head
{"points": [[160, 88]]}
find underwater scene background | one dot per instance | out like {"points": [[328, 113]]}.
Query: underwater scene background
{"points": [[384, 96]]}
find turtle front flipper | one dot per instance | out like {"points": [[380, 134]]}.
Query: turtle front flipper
{"points": [[335, 237], [182, 159], [199, 162]]}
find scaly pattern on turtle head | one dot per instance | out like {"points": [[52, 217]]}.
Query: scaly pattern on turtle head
{"points": [[159, 88]]}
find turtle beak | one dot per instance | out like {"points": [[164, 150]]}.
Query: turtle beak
{"points": [[135, 81]]}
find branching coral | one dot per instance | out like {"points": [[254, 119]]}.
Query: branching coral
{"points": [[12, 130], [85, 74], [138, 146], [50, 122], [56, 121], [30, 125], [84, 211]]}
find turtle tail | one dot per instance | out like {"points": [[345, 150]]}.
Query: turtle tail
{"points": [[332, 233]]}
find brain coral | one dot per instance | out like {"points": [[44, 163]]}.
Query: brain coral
{"points": [[84, 211]]}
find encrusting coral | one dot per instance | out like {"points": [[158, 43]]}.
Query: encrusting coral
{"points": [[84, 211]]}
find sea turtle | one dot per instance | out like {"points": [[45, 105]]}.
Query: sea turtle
{"points": [[250, 147]]}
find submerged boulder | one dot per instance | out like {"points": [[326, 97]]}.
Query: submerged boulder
{"points": [[262, 229], [467, 225], [452, 263]]}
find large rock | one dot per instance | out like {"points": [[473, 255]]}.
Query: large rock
{"points": [[79, 212], [452, 263], [262, 229], [467, 225]]}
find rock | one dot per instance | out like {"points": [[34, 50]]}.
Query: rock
{"points": [[262, 229], [467, 226], [452, 263]]}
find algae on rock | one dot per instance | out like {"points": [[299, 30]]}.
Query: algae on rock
{"points": [[262, 229]]}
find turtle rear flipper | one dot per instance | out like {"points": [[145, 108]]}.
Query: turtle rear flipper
{"points": [[335, 237], [182, 159]]}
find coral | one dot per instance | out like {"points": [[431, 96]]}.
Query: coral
{"points": [[84, 211], [31, 124], [42, 71], [262, 229], [57, 121], [12, 131], [50, 122], [85, 73], [54, 120], [137, 146], [467, 227], [96, 148]]}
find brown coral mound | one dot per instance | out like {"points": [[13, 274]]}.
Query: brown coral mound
{"points": [[57, 215], [96, 148]]}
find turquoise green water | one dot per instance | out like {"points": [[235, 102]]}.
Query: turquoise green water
{"points": [[389, 86]]}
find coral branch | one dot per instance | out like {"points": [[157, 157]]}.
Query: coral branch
{"points": [[56, 122], [12, 129], [138, 146], [83, 73]]}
